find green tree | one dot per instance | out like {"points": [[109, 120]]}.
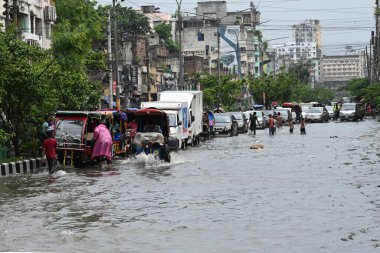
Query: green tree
{"points": [[301, 70], [132, 22], [286, 88], [164, 32], [227, 93], [78, 26], [23, 91], [357, 87], [372, 94]]}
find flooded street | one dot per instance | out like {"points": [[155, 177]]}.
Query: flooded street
{"points": [[318, 192]]}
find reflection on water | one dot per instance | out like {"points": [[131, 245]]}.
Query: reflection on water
{"points": [[299, 193]]}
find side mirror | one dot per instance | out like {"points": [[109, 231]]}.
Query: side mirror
{"points": [[192, 118], [179, 123]]}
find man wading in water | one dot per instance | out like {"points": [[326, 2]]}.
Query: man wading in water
{"points": [[253, 120]]}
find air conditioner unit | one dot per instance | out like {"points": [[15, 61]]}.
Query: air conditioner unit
{"points": [[50, 13]]}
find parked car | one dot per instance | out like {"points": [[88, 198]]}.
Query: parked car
{"points": [[304, 109], [242, 121], [351, 111], [261, 118], [226, 123], [258, 107], [317, 114], [330, 109]]}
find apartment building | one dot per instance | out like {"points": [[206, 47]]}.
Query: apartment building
{"points": [[336, 70], [296, 51], [2, 17], [235, 46], [35, 19], [308, 32]]}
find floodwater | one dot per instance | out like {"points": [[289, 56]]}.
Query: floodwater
{"points": [[318, 192]]}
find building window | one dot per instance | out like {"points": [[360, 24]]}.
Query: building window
{"points": [[201, 36]]}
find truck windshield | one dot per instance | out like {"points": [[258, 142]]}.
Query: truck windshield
{"points": [[69, 129], [172, 120], [347, 107]]}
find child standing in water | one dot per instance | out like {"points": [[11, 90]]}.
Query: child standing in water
{"points": [[303, 130], [291, 126]]}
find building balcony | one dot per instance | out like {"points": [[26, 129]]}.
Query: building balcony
{"points": [[32, 38]]}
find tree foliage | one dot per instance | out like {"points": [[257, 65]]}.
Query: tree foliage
{"points": [[78, 26], [286, 88], [164, 32], [357, 87], [227, 93], [22, 89], [35, 82], [301, 70]]}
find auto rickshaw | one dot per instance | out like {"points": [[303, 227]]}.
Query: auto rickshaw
{"points": [[131, 130], [152, 135], [116, 122], [74, 131]]}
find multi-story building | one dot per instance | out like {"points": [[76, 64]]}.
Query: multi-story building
{"points": [[163, 66], [35, 19], [296, 51], [2, 17], [235, 45], [335, 71], [308, 32]]}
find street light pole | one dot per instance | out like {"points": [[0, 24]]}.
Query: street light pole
{"points": [[116, 57], [218, 34], [179, 24], [109, 48]]}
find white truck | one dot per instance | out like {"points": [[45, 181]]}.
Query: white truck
{"points": [[194, 102], [178, 118]]}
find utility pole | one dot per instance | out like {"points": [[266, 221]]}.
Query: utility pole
{"points": [[253, 17], [6, 13], [116, 51], [179, 29], [218, 34], [15, 12], [147, 67], [109, 49]]}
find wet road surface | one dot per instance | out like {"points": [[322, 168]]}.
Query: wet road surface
{"points": [[318, 192]]}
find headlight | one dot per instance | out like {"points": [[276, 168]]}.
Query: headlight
{"points": [[227, 128]]}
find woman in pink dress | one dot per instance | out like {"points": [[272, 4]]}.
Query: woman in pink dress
{"points": [[103, 145]]}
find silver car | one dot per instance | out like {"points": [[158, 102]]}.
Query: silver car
{"points": [[330, 109], [317, 114]]}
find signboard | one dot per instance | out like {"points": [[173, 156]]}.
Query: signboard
{"points": [[228, 41], [135, 75]]}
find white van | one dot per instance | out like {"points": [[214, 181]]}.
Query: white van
{"points": [[194, 102], [178, 116]]}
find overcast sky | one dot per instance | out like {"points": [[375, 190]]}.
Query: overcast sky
{"points": [[343, 22]]}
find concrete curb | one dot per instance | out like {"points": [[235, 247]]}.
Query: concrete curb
{"points": [[21, 167]]}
